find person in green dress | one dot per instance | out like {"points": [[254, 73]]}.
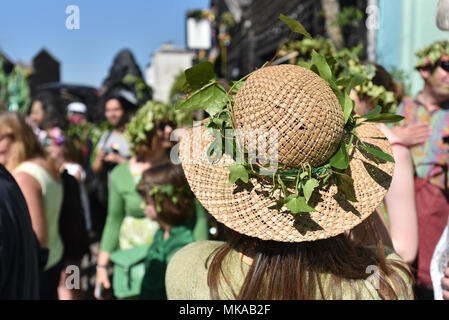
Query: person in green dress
{"points": [[169, 201], [126, 225]]}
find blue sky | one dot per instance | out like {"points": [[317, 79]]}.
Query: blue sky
{"points": [[105, 27]]}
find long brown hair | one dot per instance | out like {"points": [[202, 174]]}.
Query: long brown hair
{"points": [[293, 271], [26, 145]]}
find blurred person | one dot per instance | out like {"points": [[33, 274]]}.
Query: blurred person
{"points": [[113, 148], [425, 130], [169, 201], [45, 107], [124, 206], [74, 220], [400, 198], [19, 248], [40, 182], [272, 252]]}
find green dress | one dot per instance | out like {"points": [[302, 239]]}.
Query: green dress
{"points": [[126, 224], [125, 215]]}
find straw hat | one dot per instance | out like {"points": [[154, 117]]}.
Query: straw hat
{"points": [[308, 117]]}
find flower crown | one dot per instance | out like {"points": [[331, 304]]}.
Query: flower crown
{"points": [[210, 95], [431, 54]]}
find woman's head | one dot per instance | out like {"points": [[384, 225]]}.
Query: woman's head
{"points": [[118, 109], [166, 194], [365, 103], [18, 142], [306, 270], [45, 111]]}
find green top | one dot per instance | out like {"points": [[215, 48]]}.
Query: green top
{"points": [[186, 276], [52, 194], [159, 254], [124, 201]]}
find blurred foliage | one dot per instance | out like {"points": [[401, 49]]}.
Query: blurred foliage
{"points": [[14, 89], [431, 54], [346, 64], [350, 16]]}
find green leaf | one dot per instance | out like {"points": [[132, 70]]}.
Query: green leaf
{"points": [[348, 107], [385, 118], [345, 184], [212, 99], [340, 160], [295, 26], [356, 80], [299, 204], [199, 75], [324, 71], [380, 154], [237, 172], [372, 113], [309, 187], [304, 64]]}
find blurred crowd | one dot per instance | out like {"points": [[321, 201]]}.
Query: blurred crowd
{"points": [[107, 201]]}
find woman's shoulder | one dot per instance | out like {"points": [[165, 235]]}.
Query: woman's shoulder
{"points": [[186, 276], [195, 251], [120, 170]]}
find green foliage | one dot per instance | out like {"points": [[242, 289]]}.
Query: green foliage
{"points": [[295, 26], [431, 54], [350, 16], [347, 67], [295, 185], [14, 89]]}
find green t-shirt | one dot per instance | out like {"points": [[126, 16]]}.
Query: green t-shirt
{"points": [[186, 276], [159, 254], [124, 201]]}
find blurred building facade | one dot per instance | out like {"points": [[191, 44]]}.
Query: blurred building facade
{"points": [[166, 64], [256, 32], [46, 69]]}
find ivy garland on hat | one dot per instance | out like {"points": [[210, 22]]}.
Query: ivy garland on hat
{"points": [[295, 181], [345, 64]]}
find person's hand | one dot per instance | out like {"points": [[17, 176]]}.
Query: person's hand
{"points": [[445, 283], [102, 278], [114, 158], [100, 156], [412, 135]]}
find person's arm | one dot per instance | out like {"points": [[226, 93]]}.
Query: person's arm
{"points": [[110, 237], [32, 191], [400, 201]]}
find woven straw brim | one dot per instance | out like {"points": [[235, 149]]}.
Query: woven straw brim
{"points": [[249, 209]]}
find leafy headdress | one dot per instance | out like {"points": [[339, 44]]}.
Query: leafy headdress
{"points": [[334, 167]]}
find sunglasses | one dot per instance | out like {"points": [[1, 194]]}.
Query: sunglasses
{"points": [[443, 64]]}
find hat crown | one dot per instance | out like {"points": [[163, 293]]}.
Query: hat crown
{"points": [[299, 105]]}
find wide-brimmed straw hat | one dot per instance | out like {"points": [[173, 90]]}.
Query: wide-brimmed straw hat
{"points": [[310, 125]]}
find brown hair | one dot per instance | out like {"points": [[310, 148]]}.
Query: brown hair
{"points": [[292, 271], [168, 174], [26, 145]]}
